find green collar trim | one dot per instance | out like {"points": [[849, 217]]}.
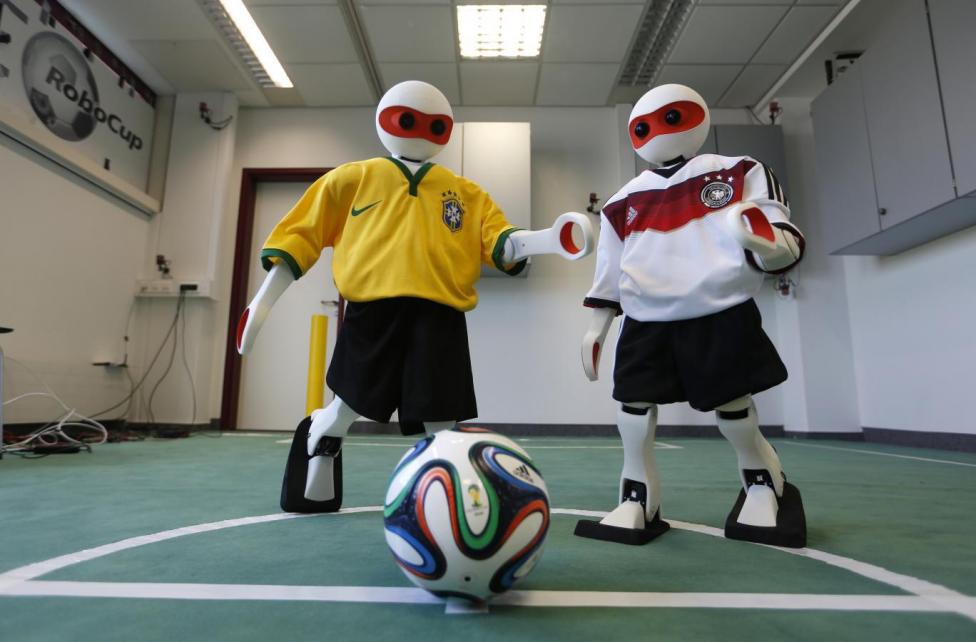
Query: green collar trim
{"points": [[413, 179]]}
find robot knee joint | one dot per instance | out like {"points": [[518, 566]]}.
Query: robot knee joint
{"points": [[636, 407]]}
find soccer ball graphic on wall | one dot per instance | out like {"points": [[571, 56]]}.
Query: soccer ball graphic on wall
{"points": [[60, 86], [466, 513]]}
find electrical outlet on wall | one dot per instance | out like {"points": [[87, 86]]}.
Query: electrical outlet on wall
{"points": [[171, 288]]}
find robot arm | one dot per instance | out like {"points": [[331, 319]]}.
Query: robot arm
{"points": [[593, 341], [557, 239], [277, 281], [774, 247]]}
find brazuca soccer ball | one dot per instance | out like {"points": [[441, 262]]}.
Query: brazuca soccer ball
{"points": [[466, 513]]}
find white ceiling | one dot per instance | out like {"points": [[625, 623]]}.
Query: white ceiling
{"points": [[731, 51]]}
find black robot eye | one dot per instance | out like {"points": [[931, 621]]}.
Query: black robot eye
{"points": [[407, 120], [673, 117], [438, 127], [641, 130]]}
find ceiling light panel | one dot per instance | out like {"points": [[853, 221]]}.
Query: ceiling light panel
{"points": [[500, 31], [236, 24]]}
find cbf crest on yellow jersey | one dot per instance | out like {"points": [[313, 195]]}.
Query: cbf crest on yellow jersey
{"points": [[396, 233]]}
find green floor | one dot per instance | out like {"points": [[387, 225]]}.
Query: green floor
{"points": [[908, 511]]}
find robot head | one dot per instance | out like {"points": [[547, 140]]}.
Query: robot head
{"points": [[414, 120], [668, 122]]}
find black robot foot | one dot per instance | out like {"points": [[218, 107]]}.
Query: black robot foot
{"points": [[634, 536], [791, 523], [293, 498]]}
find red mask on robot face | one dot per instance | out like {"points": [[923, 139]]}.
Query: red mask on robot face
{"points": [[405, 122], [672, 118]]}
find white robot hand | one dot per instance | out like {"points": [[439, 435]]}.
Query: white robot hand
{"points": [[557, 239], [593, 341], [277, 281], [776, 249]]}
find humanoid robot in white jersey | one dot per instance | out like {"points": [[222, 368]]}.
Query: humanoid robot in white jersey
{"points": [[683, 249]]}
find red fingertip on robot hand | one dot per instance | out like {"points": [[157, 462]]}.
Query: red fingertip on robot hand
{"points": [[566, 239], [241, 325], [759, 223], [644, 128]]}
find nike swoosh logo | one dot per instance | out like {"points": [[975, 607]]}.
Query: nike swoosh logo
{"points": [[356, 212]]}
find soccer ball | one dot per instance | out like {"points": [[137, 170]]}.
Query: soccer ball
{"points": [[466, 513], [60, 86]]}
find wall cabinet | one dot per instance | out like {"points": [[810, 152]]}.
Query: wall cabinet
{"points": [[885, 174], [912, 172], [955, 53], [845, 171]]}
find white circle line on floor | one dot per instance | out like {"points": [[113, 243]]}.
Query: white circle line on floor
{"points": [[927, 596]]}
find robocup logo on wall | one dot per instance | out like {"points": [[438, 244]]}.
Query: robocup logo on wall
{"points": [[72, 93], [62, 91]]}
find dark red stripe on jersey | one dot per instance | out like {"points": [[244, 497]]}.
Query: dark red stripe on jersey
{"points": [[616, 214], [665, 210]]}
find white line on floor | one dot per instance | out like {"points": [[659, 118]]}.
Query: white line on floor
{"points": [[402, 595], [234, 433], [658, 445], [32, 571], [940, 598], [876, 452]]}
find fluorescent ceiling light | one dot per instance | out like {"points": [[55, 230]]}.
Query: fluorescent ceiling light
{"points": [[248, 29], [500, 30]]}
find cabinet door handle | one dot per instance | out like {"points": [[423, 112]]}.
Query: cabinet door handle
{"points": [[882, 211]]}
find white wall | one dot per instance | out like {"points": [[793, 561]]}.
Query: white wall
{"points": [[912, 319], [880, 342], [814, 331], [524, 334], [69, 255], [198, 181]]}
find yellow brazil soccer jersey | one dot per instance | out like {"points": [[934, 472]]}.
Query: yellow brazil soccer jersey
{"points": [[395, 233]]}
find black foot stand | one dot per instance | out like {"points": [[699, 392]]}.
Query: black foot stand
{"points": [[791, 523], [296, 471], [634, 536]]}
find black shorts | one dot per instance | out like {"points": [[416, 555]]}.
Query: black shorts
{"points": [[707, 361], [404, 354]]}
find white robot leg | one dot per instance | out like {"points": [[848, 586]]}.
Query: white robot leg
{"points": [[313, 474], [769, 510], [636, 520]]}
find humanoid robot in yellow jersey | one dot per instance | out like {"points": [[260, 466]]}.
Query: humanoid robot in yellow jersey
{"points": [[409, 237]]}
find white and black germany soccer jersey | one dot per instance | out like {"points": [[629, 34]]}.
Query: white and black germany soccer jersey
{"points": [[664, 255]]}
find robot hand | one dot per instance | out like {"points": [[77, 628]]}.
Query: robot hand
{"points": [[776, 249], [277, 281], [593, 341], [557, 239]]}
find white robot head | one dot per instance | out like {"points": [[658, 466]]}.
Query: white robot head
{"points": [[668, 122], [414, 120]]}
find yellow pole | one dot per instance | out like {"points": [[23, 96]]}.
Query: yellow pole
{"points": [[315, 393]]}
